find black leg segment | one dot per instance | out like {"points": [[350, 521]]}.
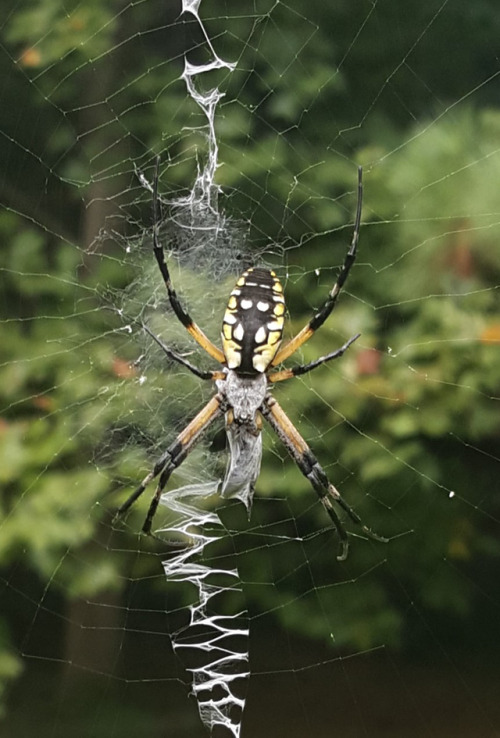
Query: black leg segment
{"points": [[172, 458], [311, 469]]}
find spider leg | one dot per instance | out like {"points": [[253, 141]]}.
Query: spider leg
{"points": [[172, 458], [317, 321], [180, 360], [311, 469], [179, 311], [295, 371]]}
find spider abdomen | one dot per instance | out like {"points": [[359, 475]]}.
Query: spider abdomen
{"points": [[253, 322]]}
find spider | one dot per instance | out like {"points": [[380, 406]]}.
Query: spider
{"points": [[252, 331]]}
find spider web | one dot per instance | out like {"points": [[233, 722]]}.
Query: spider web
{"points": [[260, 113]]}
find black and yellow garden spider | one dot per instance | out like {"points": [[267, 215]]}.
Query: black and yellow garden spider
{"points": [[252, 330]]}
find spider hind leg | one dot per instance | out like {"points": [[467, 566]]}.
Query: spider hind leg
{"points": [[173, 458], [312, 470]]}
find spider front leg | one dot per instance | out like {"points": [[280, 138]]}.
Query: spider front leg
{"points": [[179, 311], [172, 458], [311, 469], [317, 321]]}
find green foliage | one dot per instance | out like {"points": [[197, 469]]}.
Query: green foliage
{"points": [[10, 666], [55, 373], [387, 419], [423, 376], [65, 30]]}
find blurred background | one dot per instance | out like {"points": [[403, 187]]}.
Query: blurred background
{"points": [[401, 639]]}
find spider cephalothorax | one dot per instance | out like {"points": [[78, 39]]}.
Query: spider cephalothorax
{"points": [[252, 332]]}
